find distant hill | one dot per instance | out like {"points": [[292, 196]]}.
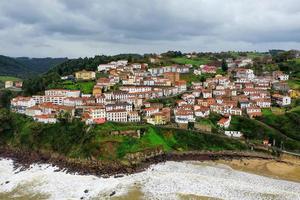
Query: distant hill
{"points": [[25, 67]]}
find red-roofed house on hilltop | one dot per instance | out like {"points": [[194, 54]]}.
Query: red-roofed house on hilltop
{"points": [[224, 122], [253, 111], [45, 118], [208, 69]]}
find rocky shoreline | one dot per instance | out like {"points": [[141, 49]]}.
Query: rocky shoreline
{"points": [[23, 159]]}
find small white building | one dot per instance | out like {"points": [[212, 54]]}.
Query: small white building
{"points": [[47, 119], [237, 134], [116, 115], [201, 111], [9, 84], [19, 104], [281, 100], [184, 116], [134, 116], [224, 122], [105, 67]]}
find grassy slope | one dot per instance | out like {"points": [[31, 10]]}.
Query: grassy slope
{"points": [[260, 130], [288, 123], [193, 61], [85, 87], [75, 140], [9, 78], [294, 84]]}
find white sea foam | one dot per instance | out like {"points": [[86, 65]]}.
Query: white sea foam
{"points": [[162, 181]]}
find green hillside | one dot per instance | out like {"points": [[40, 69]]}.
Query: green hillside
{"points": [[26, 67]]}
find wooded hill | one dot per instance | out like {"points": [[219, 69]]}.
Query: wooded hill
{"points": [[24, 67]]}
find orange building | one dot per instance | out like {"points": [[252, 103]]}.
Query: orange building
{"points": [[172, 76]]}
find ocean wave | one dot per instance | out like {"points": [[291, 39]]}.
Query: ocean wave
{"points": [[167, 180]]}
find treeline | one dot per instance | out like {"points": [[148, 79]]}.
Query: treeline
{"points": [[284, 129], [66, 138], [27, 67], [288, 124]]}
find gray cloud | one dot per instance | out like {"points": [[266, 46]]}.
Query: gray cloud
{"points": [[85, 28]]}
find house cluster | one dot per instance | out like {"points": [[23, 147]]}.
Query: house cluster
{"points": [[240, 62], [242, 94], [13, 84], [139, 81], [136, 84], [123, 94], [205, 69]]}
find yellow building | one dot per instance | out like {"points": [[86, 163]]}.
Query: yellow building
{"points": [[294, 94], [9, 84], [97, 90], [157, 119], [85, 75]]}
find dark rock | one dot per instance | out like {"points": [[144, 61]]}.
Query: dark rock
{"points": [[6, 182], [105, 176], [86, 191], [119, 176], [112, 194]]}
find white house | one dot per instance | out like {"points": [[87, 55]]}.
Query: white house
{"points": [[97, 112], [116, 115], [224, 122], [281, 100], [237, 134], [184, 116], [47, 119], [62, 92], [8, 84], [134, 116], [263, 103], [19, 104], [201, 111], [105, 67], [253, 111], [34, 110], [150, 111]]}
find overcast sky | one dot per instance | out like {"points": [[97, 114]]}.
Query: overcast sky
{"points": [[77, 28]]}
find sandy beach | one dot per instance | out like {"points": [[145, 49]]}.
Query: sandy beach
{"points": [[287, 168]]}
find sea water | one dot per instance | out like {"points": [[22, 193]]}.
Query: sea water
{"points": [[170, 180]]}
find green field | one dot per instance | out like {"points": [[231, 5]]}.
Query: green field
{"points": [[294, 84], [297, 60], [9, 78], [295, 109], [191, 77], [85, 87], [248, 54], [205, 121], [266, 111], [193, 61], [254, 54]]}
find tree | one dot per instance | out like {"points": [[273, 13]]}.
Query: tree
{"points": [[6, 122], [5, 97], [224, 65]]}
